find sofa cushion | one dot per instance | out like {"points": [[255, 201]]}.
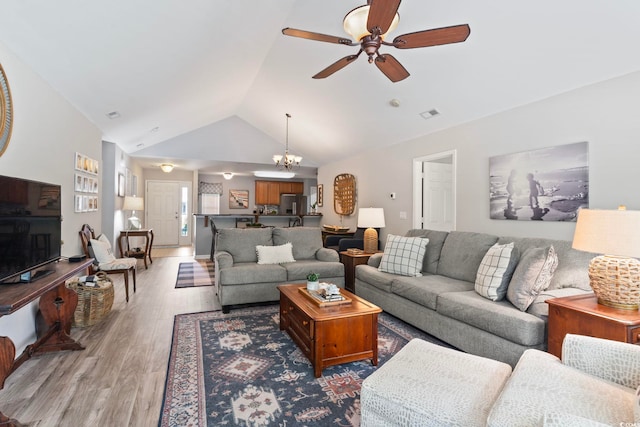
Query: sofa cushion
{"points": [[495, 271], [375, 277], [403, 255], [241, 242], [251, 272], [305, 240], [298, 271], [275, 254], [436, 240], [425, 290], [462, 252], [497, 317], [540, 383], [539, 306], [532, 276]]}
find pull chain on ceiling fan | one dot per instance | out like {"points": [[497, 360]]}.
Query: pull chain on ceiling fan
{"points": [[369, 24]]}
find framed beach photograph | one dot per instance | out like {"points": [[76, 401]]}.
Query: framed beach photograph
{"points": [[238, 199], [547, 184]]}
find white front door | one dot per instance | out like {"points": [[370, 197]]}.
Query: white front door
{"points": [[163, 212]]}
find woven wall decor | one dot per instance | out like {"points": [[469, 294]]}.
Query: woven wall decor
{"points": [[344, 194]]}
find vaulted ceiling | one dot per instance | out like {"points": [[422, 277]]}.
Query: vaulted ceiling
{"points": [[205, 82]]}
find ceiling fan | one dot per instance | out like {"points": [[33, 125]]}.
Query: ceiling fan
{"points": [[369, 24]]}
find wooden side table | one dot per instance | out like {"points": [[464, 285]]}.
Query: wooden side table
{"points": [[582, 315], [350, 262], [142, 254]]}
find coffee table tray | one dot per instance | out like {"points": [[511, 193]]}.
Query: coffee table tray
{"points": [[319, 302]]}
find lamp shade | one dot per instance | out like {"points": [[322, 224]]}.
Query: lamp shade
{"points": [[371, 218], [609, 232], [132, 203]]}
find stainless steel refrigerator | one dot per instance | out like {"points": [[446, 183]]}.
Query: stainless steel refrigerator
{"points": [[293, 204]]}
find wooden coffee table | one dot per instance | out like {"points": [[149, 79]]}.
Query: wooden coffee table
{"points": [[333, 334]]}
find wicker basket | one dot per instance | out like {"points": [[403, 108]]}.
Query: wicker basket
{"points": [[94, 303]]}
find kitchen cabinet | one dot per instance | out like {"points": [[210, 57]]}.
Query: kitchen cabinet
{"points": [[268, 192]]}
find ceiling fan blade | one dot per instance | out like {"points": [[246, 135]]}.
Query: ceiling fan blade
{"points": [[391, 68], [435, 37], [316, 36], [381, 14], [338, 65]]}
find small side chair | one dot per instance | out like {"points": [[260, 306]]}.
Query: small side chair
{"points": [[110, 264]]}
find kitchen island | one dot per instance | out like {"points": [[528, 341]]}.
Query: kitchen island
{"points": [[203, 231]]}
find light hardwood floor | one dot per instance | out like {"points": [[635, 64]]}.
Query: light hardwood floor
{"points": [[118, 380]]}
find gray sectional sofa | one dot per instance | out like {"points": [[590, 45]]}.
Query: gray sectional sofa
{"points": [[443, 301], [241, 280]]}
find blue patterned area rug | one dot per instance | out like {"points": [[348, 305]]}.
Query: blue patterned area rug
{"points": [[240, 369]]}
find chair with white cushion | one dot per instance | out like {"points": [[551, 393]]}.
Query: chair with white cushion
{"points": [[100, 250]]}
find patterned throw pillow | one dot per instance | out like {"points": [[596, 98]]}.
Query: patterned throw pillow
{"points": [[102, 250], [495, 271], [532, 276], [275, 254], [403, 255], [636, 406]]}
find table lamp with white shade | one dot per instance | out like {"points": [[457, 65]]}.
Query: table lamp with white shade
{"points": [[133, 204], [370, 218], [614, 276]]}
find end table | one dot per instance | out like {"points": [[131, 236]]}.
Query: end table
{"points": [[582, 315], [141, 253], [350, 262]]}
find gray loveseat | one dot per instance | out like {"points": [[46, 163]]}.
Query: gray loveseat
{"points": [[443, 301], [241, 280]]}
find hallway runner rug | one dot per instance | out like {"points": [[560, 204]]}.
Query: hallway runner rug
{"points": [[240, 369], [192, 274]]}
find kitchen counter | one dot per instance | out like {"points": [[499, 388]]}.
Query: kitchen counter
{"points": [[203, 233]]}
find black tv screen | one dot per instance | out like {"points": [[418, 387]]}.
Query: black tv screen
{"points": [[30, 226]]}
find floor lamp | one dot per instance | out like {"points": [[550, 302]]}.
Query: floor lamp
{"points": [[370, 218]]}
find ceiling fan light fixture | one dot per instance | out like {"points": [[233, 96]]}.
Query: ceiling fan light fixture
{"points": [[355, 23]]}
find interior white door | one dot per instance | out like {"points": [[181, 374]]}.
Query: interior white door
{"points": [[163, 212], [437, 197]]}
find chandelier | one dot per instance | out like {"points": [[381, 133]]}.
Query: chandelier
{"points": [[287, 161]]}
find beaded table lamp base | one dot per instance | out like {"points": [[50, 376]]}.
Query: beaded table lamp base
{"points": [[616, 281]]}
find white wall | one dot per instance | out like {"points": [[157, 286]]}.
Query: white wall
{"points": [[47, 131], [604, 114]]}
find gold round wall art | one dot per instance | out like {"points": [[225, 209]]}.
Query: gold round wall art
{"points": [[6, 112], [344, 194]]}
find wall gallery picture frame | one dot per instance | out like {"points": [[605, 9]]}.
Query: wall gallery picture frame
{"points": [[121, 185], [238, 199], [320, 195]]}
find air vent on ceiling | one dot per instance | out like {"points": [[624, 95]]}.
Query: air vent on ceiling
{"points": [[113, 115], [428, 114]]}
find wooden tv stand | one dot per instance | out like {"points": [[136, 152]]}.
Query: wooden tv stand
{"points": [[57, 305]]}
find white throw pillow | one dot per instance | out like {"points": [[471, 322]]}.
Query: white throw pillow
{"points": [[403, 255], [275, 254], [495, 271], [102, 251]]}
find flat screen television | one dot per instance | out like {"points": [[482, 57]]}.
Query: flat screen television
{"points": [[30, 228]]}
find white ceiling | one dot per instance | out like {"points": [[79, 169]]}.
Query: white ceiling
{"points": [[215, 78]]}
